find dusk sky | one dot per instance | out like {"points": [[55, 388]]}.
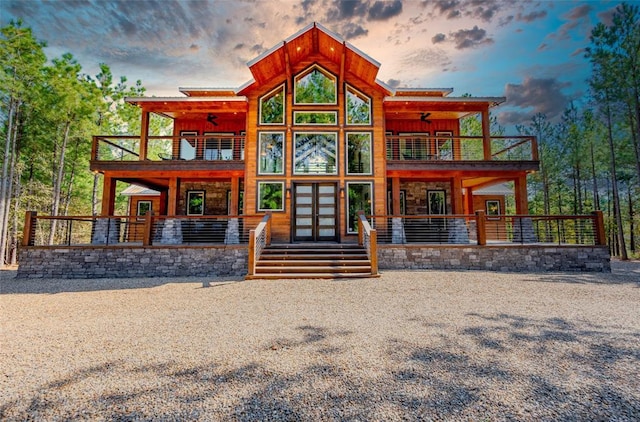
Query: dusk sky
{"points": [[532, 52]]}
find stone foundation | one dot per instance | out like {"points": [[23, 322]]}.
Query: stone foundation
{"points": [[514, 258], [119, 262]]}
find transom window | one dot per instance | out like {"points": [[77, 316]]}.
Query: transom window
{"points": [[315, 86], [272, 107], [315, 153], [358, 110]]}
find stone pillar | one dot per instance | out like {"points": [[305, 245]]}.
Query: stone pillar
{"points": [[105, 231], [171, 232], [457, 229], [232, 234], [397, 231]]}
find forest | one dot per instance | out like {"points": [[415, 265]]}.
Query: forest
{"points": [[50, 109]]}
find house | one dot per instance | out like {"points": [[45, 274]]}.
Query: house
{"points": [[312, 139]]}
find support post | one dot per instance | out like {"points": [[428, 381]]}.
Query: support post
{"points": [[481, 227], [108, 196], [522, 202], [148, 229], [395, 195], [252, 252], [172, 202], [486, 134], [29, 230], [373, 251], [144, 135], [601, 236]]}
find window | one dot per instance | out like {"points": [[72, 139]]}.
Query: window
{"points": [[315, 153], [270, 196], [195, 202], [359, 196], [436, 202], [144, 207], [358, 110], [272, 107], [493, 209], [218, 147], [359, 153], [188, 144], [271, 150], [315, 86], [315, 118]]}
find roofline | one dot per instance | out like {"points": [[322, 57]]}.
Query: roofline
{"points": [[493, 100], [183, 99], [445, 91], [184, 90]]}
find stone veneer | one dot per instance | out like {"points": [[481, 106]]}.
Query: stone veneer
{"points": [[175, 261], [513, 258], [125, 262]]}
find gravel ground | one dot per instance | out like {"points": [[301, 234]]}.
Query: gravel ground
{"points": [[430, 345]]}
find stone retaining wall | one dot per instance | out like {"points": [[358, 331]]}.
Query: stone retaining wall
{"points": [[516, 258], [119, 262]]}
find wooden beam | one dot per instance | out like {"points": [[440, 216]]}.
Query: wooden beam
{"points": [[395, 194], [235, 195], [108, 195], [144, 135], [522, 202], [456, 195], [172, 202], [486, 133]]}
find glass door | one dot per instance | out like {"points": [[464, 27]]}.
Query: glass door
{"points": [[315, 212]]}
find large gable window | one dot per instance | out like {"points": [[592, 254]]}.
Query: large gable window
{"points": [[272, 107], [315, 86], [315, 153], [358, 110]]}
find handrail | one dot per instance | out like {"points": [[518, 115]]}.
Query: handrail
{"points": [[367, 237], [259, 238]]}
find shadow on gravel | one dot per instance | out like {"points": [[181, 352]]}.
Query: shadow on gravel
{"points": [[10, 285], [502, 367]]}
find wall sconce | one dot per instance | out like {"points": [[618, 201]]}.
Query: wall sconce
{"points": [[288, 192], [342, 193]]}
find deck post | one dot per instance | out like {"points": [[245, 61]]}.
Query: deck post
{"points": [[268, 229], [601, 236], [486, 134], [148, 226], [29, 230], [481, 228], [252, 253], [373, 251]]}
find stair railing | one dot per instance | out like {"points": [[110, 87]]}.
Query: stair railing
{"points": [[259, 238], [368, 237]]}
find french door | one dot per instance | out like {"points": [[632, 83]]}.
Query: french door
{"points": [[315, 212]]}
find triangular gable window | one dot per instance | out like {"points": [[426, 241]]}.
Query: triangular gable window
{"points": [[315, 86]]}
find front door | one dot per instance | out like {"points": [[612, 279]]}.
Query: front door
{"points": [[315, 212]]}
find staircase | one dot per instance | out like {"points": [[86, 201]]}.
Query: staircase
{"points": [[313, 261]]}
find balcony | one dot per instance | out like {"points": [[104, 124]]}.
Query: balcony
{"points": [[181, 153], [413, 152]]}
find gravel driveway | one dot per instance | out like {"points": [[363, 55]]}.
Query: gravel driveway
{"points": [[430, 345]]}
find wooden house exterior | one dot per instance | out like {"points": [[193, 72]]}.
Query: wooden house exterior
{"points": [[313, 138]]}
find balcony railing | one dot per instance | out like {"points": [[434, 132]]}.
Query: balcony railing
{"points": [[163, 148], [481, 229], [135, 230], [460, 148]]}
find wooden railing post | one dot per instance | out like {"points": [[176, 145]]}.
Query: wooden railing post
{"points": [[360, 229], [601, 236], [252, 252], [29, 230], [148, 229], [373, 248], [481, 227], [268, 228]]}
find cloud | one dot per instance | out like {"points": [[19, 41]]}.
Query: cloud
{"points": [[576, 17], [383, 10], [530, 17], [393, 83], [538, 95], [468, 38], [438, 38]]}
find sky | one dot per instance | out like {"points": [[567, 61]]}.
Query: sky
{"points": [[531, 52]]}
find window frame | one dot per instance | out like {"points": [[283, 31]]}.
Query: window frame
{"points": [[348, 203], [259, 196], [307, 72], [294, 166], [358, 93], [300, 112], [371, 155], [188, 203], [283, 143], [282, 88]]}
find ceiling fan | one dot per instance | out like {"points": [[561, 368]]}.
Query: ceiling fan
{"points": [[425, 117], [212, 119]]}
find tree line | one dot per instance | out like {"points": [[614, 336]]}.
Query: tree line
{"points": [[49, 110]]}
